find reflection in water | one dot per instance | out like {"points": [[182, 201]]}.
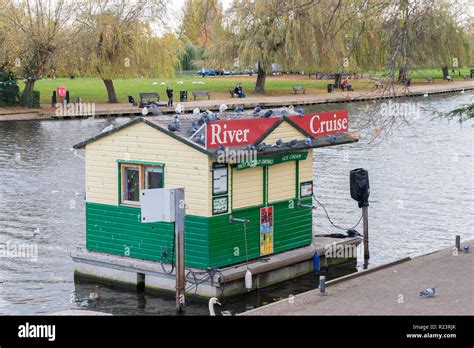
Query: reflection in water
{"points": [[421, 196]]}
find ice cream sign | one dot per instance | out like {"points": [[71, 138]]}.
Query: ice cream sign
{"points": [[247, 131]]}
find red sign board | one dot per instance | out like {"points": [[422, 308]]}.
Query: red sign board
{"points": [[324, 123], [61, 91], [237, 132], [247, 131]]}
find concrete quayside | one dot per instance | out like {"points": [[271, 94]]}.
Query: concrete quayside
{"points": [[392, 289]]}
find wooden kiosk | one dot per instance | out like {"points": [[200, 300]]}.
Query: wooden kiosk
{"points": [[258, 169]]}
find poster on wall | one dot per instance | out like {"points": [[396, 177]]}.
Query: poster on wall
{"points": [[266, 231], [220, 205], [219, 179]]}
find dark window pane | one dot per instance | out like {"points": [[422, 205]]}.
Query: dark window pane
{"points": [[132, 189], [154, 178]]}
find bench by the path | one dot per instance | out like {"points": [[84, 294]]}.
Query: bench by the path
{"points": [[202, 94]]}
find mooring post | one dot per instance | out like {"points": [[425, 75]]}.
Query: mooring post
{"points": [[179, 235], [458, 242], [365, 217]]}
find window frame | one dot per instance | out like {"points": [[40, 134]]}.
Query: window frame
{"points": [[122, 165]]}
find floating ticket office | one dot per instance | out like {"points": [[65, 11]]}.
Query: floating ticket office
{"points": [[256, 169]]}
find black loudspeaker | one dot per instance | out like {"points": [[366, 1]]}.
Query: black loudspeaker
{"points": [[360, 188]]}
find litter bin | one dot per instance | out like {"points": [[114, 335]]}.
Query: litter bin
{"points": [[183, 96]]}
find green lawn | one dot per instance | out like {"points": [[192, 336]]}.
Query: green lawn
{"points": [[422, 74], [93, 89]]}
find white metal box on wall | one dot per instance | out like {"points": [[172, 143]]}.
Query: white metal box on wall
{"points": [[157, 205]]}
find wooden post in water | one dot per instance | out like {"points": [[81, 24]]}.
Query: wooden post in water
{"points": [[179, 235], [365, 217]]}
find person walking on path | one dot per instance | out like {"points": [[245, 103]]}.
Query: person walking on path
{"points": [[169, 93]]}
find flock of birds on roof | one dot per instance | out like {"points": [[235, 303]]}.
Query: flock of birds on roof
{"points": [[207, 116]]}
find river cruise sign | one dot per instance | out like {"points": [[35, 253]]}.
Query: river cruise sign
{"points": [[246, 131]]}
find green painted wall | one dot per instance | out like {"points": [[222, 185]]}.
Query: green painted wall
{"points": [[118, 230], [209, 242], [292, 229]]}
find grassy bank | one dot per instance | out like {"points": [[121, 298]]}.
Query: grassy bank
{"points": [[93, 89]]}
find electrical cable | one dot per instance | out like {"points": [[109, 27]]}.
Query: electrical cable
{"points": [[332, 223], [164, 254]]}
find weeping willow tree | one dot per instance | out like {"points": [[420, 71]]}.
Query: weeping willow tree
{"points": [[401, 35], [118, 39], [201, 23], [300, 35]]}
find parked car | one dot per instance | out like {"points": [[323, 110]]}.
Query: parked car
{"points": [[206, 72]]}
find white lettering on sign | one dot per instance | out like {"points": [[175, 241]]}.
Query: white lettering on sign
{"points": [[220, 135], [327, 126]]}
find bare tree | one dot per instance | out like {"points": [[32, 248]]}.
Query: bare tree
{"points": [[38, 27], [117, 37]]}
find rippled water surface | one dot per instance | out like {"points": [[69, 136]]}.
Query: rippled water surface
{"points": [[421, 178]]}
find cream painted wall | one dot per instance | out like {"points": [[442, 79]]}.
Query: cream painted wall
{"points": [[285, 132], [184, 166], [248, 187]]}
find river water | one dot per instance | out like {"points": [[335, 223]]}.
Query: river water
{"points": [[421, 180]]}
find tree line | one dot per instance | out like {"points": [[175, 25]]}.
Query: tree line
{"points": [[128, 38]]}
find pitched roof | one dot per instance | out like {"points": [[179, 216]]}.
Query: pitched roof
{"points": [[186, 135]]}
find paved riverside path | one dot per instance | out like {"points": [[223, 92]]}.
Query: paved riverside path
{"points": [[126, 109], [378, 293]]}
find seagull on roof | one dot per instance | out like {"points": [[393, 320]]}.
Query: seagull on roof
{"points": [[222, 108], [107, 129], [239, 109], [308, 141], [291, 109], [145, 111], [196, 111]]}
